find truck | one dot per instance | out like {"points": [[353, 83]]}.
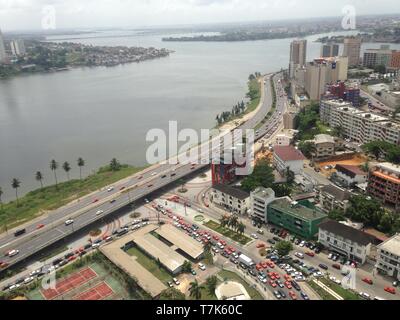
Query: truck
{"points": [[245, 260]]}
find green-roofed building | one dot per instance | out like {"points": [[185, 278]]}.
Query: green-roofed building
{"points": [[295, 217]]}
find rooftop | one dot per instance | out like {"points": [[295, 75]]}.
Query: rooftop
{"points": [[295, 209], [324, 138], [263, 192], [231, 191], [339, 194], [347, 232], [181, 240], [392, 245], [349, 170], [288, 153]]}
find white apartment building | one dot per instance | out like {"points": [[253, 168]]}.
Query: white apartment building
{"points": [[359, 126], [259, 201], [231, 199], [18, 47], [334, 198], [388, 257], [288, 157], [346, 241]]}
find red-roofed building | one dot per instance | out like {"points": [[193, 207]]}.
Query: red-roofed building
{"points": [[288, 157], [350, 175]]}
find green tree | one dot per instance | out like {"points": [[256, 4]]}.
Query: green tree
{"points": [[211, 284], [233, 221], [282, 190], [241, 228], [172, 294], [115, 165], [366, 210], [284, 248], [67, 168], [195, 290], [187, 267], [307, 148], [1, 201], [39, 178], [337, 215], [54, 167], [262, 176], [15, 185], [289, 176], [81, 164]]}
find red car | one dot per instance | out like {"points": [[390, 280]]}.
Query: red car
{"points": [[271, 264], [259, 267], [292, 295], [272, 283], [260, 245], [72, 258], [367, 280], [271, 275], [264, 264], [287, 277], [39, 226], [95, 200], [288, 285], [3, 265], [390, 290], [310, 254], [216, 238], [277, 276], [223, 242]]}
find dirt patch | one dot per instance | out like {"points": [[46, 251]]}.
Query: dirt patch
{"points": [[352, 160]]}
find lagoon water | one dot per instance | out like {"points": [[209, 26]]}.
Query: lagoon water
{"points": [[100, 113]]}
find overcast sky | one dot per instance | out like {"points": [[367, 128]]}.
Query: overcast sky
{"points": [[28, 14]]}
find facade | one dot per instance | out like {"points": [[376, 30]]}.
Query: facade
{"points": [[340, 90], [388, 257], [359, 126], [334, 198], [329, 50], [18, 47], [295, 217], [378, 57], [395, 62], [288, 157], [259, 201], [384, 183], [290, 120], [298, 55], [324, 147], [232, 199], [3, 55], [223, 169], [348, 175], [345, 240], [352, 50]]}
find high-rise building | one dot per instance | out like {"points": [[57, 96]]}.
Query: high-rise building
{"points": [[298, 55], [18, 47], [329, 50], [3, 55], [378, 57], [395, 62], [352, 50]]}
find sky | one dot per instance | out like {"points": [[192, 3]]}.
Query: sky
{"points": [[61, 14]]}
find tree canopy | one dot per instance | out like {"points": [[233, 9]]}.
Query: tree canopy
{"points": [[262, 176]]}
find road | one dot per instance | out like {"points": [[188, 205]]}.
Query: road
{"points": [[84, 211]]}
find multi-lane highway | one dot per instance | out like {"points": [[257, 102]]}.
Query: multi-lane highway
{"points": [[86, 210]]}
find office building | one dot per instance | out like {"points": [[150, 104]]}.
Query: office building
{"points": [[298, 55], [298, 218], [352, 50], [345, 240], [384, 183], [378, 57], [18, 47], [231, 199], [3, 54], [329, 50], [359, 126], [259, 201], [388, 258]]}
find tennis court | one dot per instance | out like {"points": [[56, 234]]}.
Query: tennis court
{"points": [[100, 291]]}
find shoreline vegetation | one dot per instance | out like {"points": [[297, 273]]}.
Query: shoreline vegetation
{"points": [[45, 57], [40, 201]]}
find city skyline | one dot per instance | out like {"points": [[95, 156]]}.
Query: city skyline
{"points": [[28, 15]]}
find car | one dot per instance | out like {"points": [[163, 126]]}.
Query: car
{"points": [[304, 296], [336, 266], [99, 212], [193, 272], [122, 188], [202, 267], [302, 244], [310, 254], [292, 295], [280, 284], [271, 241], [282, 293], [390, 290], [170, 284], [323, 266], [395, 284], [176, 281], [277, 294], [288, 285], [365, 295], [330, 256], [272, 283], [95, 200], [113, 201], [110, 189], [299, 255], [40, 226], [368, 280], [149, 186], [254, 236], [69, 222], [12, 253]]}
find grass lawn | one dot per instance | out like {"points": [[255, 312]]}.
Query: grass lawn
{"points": [[255, 89], [321, 292], [231, 276], [344, 293], [242, 239], [40, 201], [150, 264]]}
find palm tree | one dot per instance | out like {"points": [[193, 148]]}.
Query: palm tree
{"points": [[16, 184], [241, 227], [233, 221], [67, 168], [1, 202], [195, 290], [54, 167], [39, 177], [211, 284], [81, 163]]}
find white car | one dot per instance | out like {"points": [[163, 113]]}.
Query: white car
{"points": [[154, 174], [95, 245], [302, 244], [110, 189], [202, 267], [99, 212], [299, 255], [69, 222], [176, 281], [12, 253], [28, 280], [364, 295], [254, 236]]}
